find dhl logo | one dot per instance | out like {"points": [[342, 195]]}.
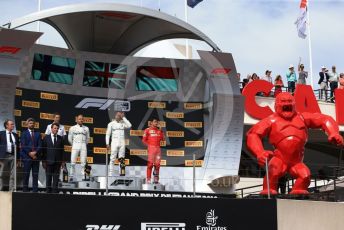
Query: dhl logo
{"points": [[19, 92], [193, 106], [31, 104], [156, 105], [17, 113], [193, 124], [175, 133], [193, 143], [138, 152], [175, 153], [46, 116], [174, 115], [190, 163], [49, 96], [136, 133], [99, 130], [24, 124]]}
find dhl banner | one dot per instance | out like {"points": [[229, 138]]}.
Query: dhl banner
{"points": [[182, 124]]}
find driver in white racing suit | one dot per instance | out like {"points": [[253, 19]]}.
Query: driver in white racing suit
{"points": [[115, 129], [78, 137]]}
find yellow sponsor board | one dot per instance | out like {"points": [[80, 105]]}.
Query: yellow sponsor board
{"points": [[156, 105], [127, 162], [68, 148], [161, 123], [87, 120], [91, 140], [136, 132], [193, 143], [193, 105], [99, 130], [88, 159], [46, 116], [163, 162], [99, 150], [24, 124], [174, 115], [31, 104], [17, 113], [163, 143], [175, 133], [193, 124], [127, 141], [138, 152], [49, 96], [19, 92], [175, 153], [198, 163], [19, 133]]}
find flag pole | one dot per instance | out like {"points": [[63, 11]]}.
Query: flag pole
{"points": [[310, 48], [186, 20]]}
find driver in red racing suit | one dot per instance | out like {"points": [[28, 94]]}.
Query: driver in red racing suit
{"points": [[152, 137]]}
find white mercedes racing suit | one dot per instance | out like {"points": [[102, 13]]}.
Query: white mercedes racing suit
{"points": [[115, 129], [78, 137]]}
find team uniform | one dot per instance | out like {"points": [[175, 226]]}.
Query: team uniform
{"points": [[152, 137], [61, 132], [78, 137], [115, 130]]}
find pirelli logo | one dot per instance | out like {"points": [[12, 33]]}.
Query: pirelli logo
{"points": [[19, 92], [162, 143], [31, 104], [24, 124], [161, 124], [99, 130], [98, 150], [193, 143], [175, 153], [138, 152], [175, 133], [68, 148], [49, 96], [91, 140], [193, 106], [89, 160], [189, 163], [136, 133], [127, 162], [193, 124], [46, 116], [174, 115], [163, 162], [156, 105], [87, 120], [17, 113], [67, 127]]}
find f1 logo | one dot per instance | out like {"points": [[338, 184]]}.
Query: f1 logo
{"points": [[102, 227], [9, 49], [104, 104]]}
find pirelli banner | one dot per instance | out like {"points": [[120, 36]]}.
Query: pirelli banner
{"points": [[182, 124]]}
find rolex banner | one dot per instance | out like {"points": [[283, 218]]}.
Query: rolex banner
{"points": [[181, 122]]}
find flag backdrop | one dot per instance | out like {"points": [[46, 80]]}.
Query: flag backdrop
{"points": [[301, 22]]}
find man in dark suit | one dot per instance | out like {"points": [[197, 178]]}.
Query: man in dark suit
{"points": [[31, 143], [9, 143], [53, 158]]}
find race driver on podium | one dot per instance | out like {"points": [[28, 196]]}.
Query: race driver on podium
{"points": [[152, 137]]}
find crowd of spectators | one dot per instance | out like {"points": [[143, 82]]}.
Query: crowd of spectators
{"points": [[328, 81]]}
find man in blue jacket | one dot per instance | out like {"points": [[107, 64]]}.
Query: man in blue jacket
{"points": [[9, 143], [31, 143]]}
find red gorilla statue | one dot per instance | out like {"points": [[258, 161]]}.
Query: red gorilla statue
{"points": [[287, 132]]}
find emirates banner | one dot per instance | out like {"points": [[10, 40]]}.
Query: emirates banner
{"points": [[181, 122]]}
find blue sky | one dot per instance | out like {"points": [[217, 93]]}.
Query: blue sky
{"points": [[259, 33]]}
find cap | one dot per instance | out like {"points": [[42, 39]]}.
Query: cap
{"points": [[291, 66]]}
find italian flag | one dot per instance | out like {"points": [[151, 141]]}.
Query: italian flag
{"points": [[301, 22]]}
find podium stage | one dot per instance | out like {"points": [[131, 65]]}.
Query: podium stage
{"points": [[73, 212]]}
